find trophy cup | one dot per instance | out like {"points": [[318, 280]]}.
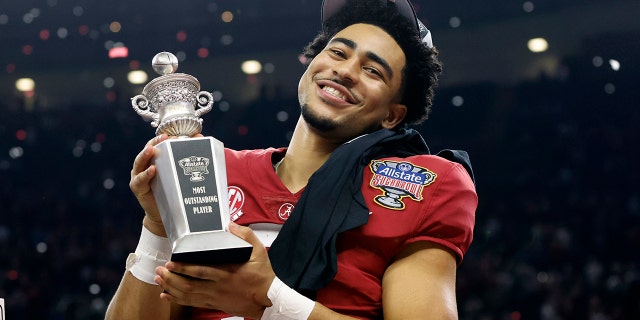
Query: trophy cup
{"points": [[190, 186]]}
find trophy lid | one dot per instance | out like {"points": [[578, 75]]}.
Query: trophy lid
{"points": [[164, 63], [164, 87]]}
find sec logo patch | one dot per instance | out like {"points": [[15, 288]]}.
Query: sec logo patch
{"points": [[236, 200]]}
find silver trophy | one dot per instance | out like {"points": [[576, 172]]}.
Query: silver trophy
{"points": [[190, 186]]}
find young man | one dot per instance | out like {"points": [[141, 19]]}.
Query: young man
{"points": [[372, 226]]}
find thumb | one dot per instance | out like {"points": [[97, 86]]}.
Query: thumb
{"points": [[245, 233]]}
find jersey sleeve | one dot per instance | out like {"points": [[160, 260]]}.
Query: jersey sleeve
{"points": [[449, 217]]}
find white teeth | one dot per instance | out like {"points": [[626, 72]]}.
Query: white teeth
{"points": [[334, 92]]}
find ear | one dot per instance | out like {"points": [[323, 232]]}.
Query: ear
{"points": [[396, 114]]}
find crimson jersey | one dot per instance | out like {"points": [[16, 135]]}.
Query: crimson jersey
{"points": [[419, 198]]}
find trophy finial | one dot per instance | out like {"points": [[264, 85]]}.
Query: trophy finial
{"points": [[165, 63]]}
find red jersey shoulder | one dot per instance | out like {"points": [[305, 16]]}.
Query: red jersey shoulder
{"points": [[242, 164], [405, 179], [241, 156]]}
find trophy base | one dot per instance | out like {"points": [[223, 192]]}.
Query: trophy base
{"points": [[209, 248]]}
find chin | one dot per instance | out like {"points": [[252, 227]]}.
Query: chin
{"points": [[320, 123]]}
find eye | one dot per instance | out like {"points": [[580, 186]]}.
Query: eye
{"points": [[373, 71], [337, 52]]}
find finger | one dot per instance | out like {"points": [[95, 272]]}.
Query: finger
{"points": [[246, 234], [143, 171], [196, 271], [178, 285], [193, 300], [142, 174], [174, 295], [157, 139], [140, 184], [185, 290], [143, 159]]}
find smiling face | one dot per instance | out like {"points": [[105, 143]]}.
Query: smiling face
{"points": [[353, 86]]}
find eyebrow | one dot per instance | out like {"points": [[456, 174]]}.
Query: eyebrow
{"points": [[376, 58]]}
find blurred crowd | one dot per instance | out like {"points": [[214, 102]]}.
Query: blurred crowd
{"points": [[557, 234]]}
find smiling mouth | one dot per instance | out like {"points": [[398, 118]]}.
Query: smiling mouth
{"points": [[334, 92]]}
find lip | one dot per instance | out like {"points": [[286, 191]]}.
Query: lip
{"points": [[349, 98]]}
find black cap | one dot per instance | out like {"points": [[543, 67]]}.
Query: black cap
{"points": [[404, 8]]}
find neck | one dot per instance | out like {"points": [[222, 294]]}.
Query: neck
{"points": [[306, 153]]}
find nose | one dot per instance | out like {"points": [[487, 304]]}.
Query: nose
{"points": [[347, 71]]}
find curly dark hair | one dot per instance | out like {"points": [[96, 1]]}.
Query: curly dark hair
{"points": [[420, 74]]}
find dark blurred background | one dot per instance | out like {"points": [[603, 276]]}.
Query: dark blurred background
{"points": [[552, 136]]}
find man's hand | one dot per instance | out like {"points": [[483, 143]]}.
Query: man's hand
{"points": [[238, 289], [140, 184], [142, 174]]}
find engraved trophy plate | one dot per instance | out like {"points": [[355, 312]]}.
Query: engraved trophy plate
{"points": [[191, 181]]}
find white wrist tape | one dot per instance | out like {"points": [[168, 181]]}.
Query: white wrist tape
{"points": [[287, 303], [152, 251]]}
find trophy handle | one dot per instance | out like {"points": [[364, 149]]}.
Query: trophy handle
{"points": [[141, 105], [205, 103]]}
